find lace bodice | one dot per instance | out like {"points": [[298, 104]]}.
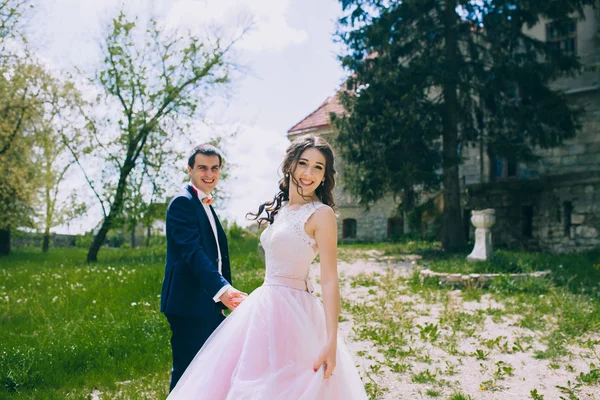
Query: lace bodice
{"points": [[289, 250]]}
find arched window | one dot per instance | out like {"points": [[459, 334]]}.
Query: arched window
{"points": [[349, 228]]}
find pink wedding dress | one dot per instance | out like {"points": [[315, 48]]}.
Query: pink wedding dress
{"points": [[266, 348]]}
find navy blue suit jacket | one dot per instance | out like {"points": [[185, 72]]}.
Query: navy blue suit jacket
{"points": [[191, 272]]}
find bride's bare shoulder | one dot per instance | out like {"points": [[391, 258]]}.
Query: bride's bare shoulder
{"points": [[324, 215]]}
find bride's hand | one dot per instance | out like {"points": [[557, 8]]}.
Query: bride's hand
{"points": [[327, 357]]}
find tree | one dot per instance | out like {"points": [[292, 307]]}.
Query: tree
{"points": [[22, 87], [53, 128], [156, 79], [17, 99], [21, 82], [11, 12], [459, 71]]}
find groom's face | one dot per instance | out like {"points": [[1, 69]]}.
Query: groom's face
{"points": [[206, 172]]}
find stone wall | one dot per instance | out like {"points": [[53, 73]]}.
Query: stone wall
{"points": [[586, 47], [559, 193], [372, 224], [578, 154], [563, 213], [509, 200], [581, 153], [570, 215]]}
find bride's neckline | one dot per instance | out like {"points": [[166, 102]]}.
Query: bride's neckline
{"points": [[287, 206]]}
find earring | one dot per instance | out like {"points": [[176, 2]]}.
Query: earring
{"points": [[287, 175], [323, 182]]}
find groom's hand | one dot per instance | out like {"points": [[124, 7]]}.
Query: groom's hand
{"points": [[232, 298]]}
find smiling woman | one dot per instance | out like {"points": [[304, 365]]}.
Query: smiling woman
{"points": [[308, 170], [281, 342]]}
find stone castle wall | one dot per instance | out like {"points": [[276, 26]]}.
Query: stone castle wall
{"points": [[559, 193], [372, 224], [564, 214]]}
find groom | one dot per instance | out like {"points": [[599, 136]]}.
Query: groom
{"points": [[197, 284]]}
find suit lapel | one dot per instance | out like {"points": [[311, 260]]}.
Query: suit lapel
{"points": [[201, 212]]}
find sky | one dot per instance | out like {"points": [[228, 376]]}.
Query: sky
{"points": [[290, 68]]}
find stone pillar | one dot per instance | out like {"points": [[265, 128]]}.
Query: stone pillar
{"points": [[483, 220]]}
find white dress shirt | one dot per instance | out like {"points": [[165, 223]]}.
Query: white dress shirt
{"points": [[213, 224]]}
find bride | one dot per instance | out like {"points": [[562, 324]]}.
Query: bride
{"points": [[282, 342]]}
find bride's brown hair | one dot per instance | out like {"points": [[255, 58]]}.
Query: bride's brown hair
{"points": [[292, 155]]}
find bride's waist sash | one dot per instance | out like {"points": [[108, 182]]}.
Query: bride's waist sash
{"points": [[294, 283]]}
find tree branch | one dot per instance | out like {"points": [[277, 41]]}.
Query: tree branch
{"points": [[91, 185]]}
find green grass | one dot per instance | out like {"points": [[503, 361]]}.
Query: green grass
{"points": [[349, 252], [68, 327], [559, 314], [578, 272]]}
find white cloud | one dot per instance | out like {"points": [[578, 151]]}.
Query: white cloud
{"points": [[270, 32], [257, 155], [69, 33]]}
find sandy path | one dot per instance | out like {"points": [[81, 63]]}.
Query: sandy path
{"points": [[463, 373]]}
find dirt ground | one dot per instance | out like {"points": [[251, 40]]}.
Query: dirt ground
{"points": [[464, 374]]}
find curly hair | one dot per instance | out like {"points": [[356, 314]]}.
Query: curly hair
{"points": [[292, 155]]}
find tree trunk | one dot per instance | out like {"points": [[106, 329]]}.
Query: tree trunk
{"points": [[148, 234], [133, 237], [46, 242], [115, 209], [4, 242], [452, 229]]}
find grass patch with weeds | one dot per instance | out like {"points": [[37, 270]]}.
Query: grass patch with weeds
{"points": [[555, 313], [69, 327]]}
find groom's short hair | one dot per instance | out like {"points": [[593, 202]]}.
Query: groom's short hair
{"points": [[207, 150]]}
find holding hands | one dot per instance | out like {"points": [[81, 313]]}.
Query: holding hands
{"points": [[232, 298]]}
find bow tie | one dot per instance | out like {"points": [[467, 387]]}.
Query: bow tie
{"points": [[208, 200]]}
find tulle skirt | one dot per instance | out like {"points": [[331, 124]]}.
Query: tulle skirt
{"points": [[266, 349]]}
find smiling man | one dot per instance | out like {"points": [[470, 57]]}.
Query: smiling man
{"points": [[197, 284]]}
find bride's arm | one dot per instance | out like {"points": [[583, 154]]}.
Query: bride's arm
{"points": [[326, 238]]}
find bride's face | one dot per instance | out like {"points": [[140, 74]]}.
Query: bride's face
{"points": [[309, 172]]}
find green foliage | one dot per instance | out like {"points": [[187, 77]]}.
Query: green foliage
{"points": [[574, 271], [480, 354], [424, 377], [53, 159], [84, 241], [570, 390], [236, 232], [11, 12], [505, 284], [18, 177], [428, 77], [36, 112], [116, 238], [363, 279], [460, 396], [429, 332], [157, 78], [590, 378], [535, 395]]}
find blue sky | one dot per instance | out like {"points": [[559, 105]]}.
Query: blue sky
{"points": [[290, 56]]}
